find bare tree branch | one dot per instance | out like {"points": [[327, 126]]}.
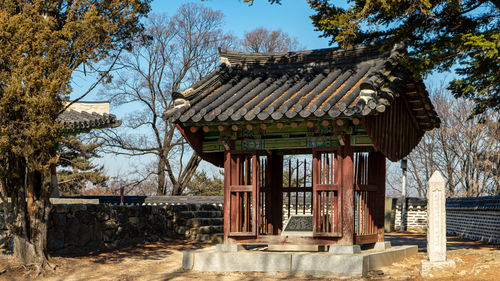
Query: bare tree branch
{"points": [[466, 151], [103, 75], [173, 52]]}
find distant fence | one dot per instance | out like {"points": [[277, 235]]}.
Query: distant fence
{"points": [[475, 218]]}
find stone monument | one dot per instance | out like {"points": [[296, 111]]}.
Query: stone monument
{"points": [[298, 225], [436, 230]]}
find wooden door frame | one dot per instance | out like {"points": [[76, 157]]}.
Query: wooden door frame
{"points": [[347, 183], [336, 186], [230, 176]]}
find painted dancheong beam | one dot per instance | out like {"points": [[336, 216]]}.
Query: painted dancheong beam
{"points": [[285, 143]]}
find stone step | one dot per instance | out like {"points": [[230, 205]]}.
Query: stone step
{"points": [[215, 238], [209, 229], [199, 214], [182, 230], [202, 237], [195, 207], [195, 222]]}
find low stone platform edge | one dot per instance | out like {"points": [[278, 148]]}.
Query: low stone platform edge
{"points": [[314, 263]]}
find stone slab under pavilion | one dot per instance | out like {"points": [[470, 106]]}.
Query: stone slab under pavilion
{"points": [[294, 262]]}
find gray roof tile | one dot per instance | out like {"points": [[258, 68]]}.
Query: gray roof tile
{"points": [[327, 82], [73, 120]]}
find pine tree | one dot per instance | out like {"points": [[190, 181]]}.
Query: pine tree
{"points": [[202, 185], [76, 171], [41, 44], [440, 35]]}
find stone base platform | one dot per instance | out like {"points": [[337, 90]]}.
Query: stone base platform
{"points": [[311, 263], [428, 266]]}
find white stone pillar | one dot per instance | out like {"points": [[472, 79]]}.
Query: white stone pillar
{"points": [[436, 228], [436, 212]]}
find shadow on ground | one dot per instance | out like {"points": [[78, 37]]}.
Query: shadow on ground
{"points": [[453, 242], [162, 260], [148, 251]]}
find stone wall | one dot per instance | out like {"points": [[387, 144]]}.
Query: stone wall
{"points": [[80, 228], [474, 218], [416, 219]]}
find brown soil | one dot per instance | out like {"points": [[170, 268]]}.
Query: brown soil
{"points": [[162, 261]]}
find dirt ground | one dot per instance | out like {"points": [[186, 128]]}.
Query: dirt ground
{"points": [[162, 261]]}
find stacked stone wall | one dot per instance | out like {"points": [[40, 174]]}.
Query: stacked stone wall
{"points": [[474, 218], [80, 228], [76, 228]]}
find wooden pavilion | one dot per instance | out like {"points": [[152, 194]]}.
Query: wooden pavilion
{"points": [[348, 110], [82, 117]]}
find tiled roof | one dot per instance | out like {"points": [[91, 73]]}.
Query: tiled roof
{"points": [[317, 83], [76, 119]]}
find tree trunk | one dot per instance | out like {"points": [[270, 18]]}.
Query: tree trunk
{"points": [[29, 229], [180, 184], [176, 190], [161, 189], [30, 245]]}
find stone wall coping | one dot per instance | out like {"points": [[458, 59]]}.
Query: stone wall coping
{"points": [[473, 203], [456, 203]]}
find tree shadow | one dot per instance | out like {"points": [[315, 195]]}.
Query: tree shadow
{"points": [[150, 250]]}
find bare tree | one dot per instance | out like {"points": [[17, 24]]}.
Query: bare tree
{"points": [[263, 40], [172, 53], [393, 179], [465, 150]]}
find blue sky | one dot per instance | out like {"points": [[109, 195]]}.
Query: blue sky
{"points": [[292, 17]]}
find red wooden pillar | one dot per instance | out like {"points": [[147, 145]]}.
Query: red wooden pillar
{"points": [[275, 192], [316, 174], [347, 182], [255, 194], [378, 167], [227, 194], [227, 171]]}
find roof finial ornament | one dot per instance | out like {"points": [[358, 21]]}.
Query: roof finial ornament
{"points": [[224, 60]]}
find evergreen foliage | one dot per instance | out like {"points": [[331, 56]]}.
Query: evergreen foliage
{"points": [[202, 185], [76, 170], [440, 34], [41, 44]]}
